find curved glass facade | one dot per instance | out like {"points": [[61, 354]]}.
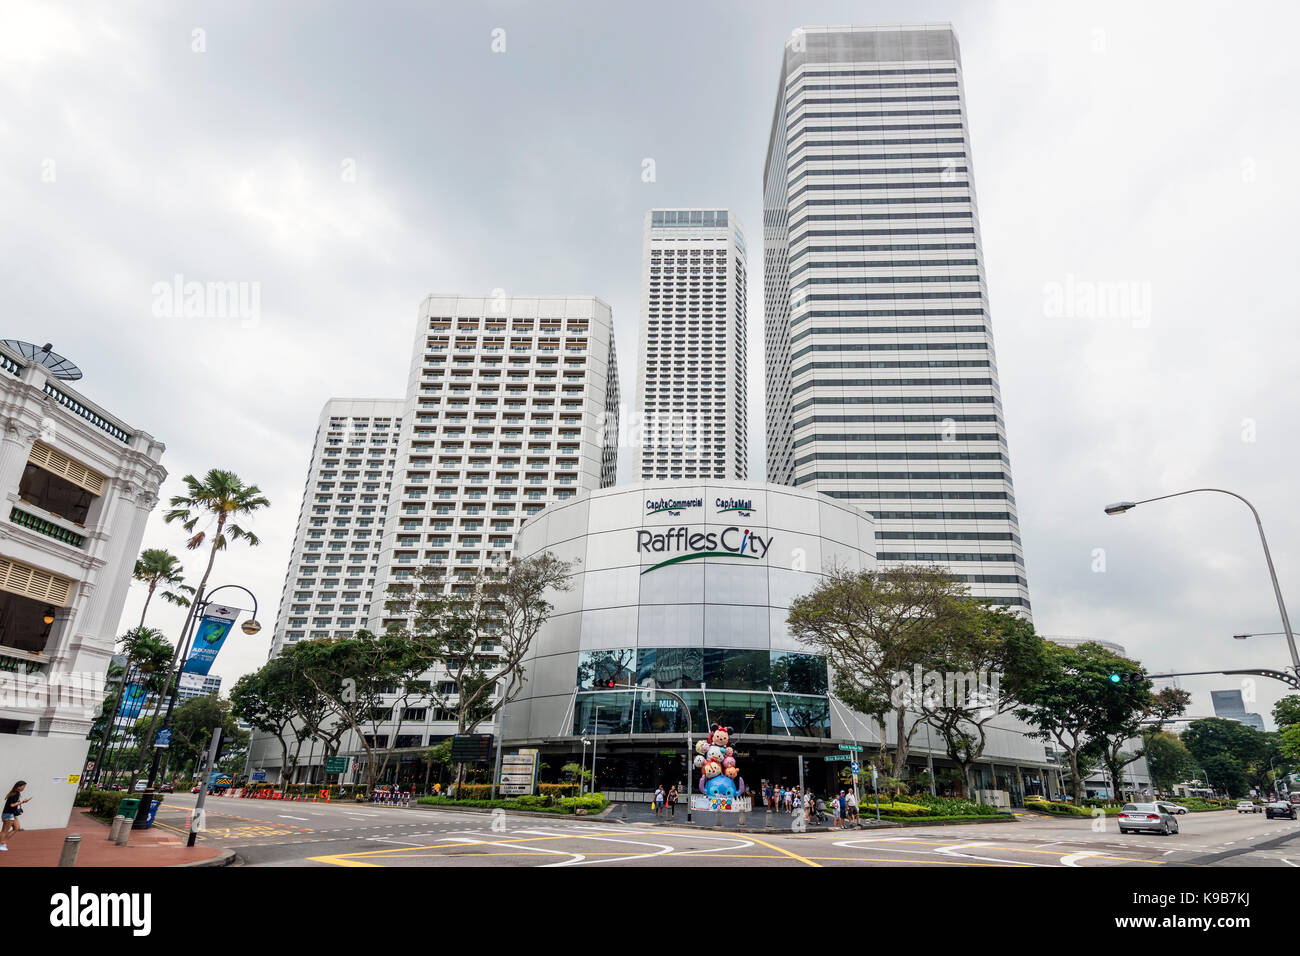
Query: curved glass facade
{"points": [[754, 691]]}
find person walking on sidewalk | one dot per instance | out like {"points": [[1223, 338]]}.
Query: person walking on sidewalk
{"points": [[659, 801], [13, 809], [672, 802]]}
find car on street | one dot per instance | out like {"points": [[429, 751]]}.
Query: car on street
{"points": [[1280, 808], [141, 786], [1172, 808], [1247, 806], [167, 788], [1146, 816]]}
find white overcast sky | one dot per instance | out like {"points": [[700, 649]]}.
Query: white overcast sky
{"points": [[1147, 144]]}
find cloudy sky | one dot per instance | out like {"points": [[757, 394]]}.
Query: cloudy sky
{"points": [[344, 160]]}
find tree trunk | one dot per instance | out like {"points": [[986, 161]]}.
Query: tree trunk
{"points": [[147, 598], [968, 775], [1076, 781], [904, 744]]}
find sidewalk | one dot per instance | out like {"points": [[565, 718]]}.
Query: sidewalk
{"points": [[154, 847]]}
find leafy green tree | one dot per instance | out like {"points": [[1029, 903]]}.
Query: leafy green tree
{"points": [[873, 625], [1287, 711], [974, 672], [1216, 736], [1075, 703], [1168, 759], [478, 633], [159, 568], [1226, 773], [1168, 703], [351, 676], [192, 724], [269, 700]]}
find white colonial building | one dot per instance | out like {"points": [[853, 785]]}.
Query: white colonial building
{"points": [[78, 487]]}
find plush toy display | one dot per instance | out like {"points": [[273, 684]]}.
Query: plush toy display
{"points": [[720, 774]]}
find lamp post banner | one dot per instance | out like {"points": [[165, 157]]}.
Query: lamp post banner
{"points": [[132, 701], [213, 627]]}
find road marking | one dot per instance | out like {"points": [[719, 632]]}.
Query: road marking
{"points": [[285, 816], [1072, 859]]}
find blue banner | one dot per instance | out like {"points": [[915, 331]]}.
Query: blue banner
{"points": [[211, 634], [133, 699]]}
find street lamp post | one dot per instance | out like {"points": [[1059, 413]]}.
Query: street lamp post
{"points": [[199, 605], [1123, 506]]}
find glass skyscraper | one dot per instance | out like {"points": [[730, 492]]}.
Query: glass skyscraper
{"points": [[882, 386]]}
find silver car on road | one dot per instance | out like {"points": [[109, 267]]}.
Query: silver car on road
{"points": [[1146, 816]]}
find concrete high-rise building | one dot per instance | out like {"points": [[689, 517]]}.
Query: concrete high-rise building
{"points": [[882, 384], [331, 577], [512, 403], [691, 396]]}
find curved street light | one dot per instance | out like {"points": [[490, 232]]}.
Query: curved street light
{"points": [[1120, 507]]}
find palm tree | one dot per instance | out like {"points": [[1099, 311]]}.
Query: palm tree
{"points": [[209, 512], [158, 567], [147, 654], [220, 497]]}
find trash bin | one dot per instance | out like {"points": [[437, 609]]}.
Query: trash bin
{"points": [[153, 811], [128, 807]]}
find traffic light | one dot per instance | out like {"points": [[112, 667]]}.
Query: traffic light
{"points": [[1126, 677]]}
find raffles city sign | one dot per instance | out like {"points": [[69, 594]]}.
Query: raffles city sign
{"points": [[683, 544]]}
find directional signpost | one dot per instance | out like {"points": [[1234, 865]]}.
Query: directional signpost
{"points": [[518, 773], [337, 764]]}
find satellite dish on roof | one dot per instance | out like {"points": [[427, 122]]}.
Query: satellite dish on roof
{"points": [[44, 354]]}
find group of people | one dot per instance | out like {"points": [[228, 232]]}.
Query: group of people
{"points": [[842, 807], [665, 800]]}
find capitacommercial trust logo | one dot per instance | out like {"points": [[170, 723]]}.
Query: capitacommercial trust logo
{"points": [[687, 545], [672, 506]]}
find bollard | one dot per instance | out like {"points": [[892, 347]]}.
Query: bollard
{"points": [[741, 819], [623, 812], [124, 833], [717, 818], [71, 844], [768, 824], [117, 825]]}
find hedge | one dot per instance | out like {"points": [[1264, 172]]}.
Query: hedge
{"points": [[542, 803], [103, 803]]}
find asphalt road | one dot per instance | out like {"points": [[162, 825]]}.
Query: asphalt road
{"points": [[266, 833]]}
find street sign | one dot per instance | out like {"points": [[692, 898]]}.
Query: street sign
{"points": [[164, 739], [337, 764], [259, 775], [852, 748], [855, 767], [844, 757], [471, 748]]}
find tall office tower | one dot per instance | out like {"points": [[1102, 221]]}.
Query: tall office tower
{"points": [[511, 403], [331, 576], [881, 380], [691, 386]]}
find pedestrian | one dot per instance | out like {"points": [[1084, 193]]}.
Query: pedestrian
{"points": [[851, 807], [659, 800], [768, 791], [837, 820], [13, 809], [672, 802], [842, 808]]}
